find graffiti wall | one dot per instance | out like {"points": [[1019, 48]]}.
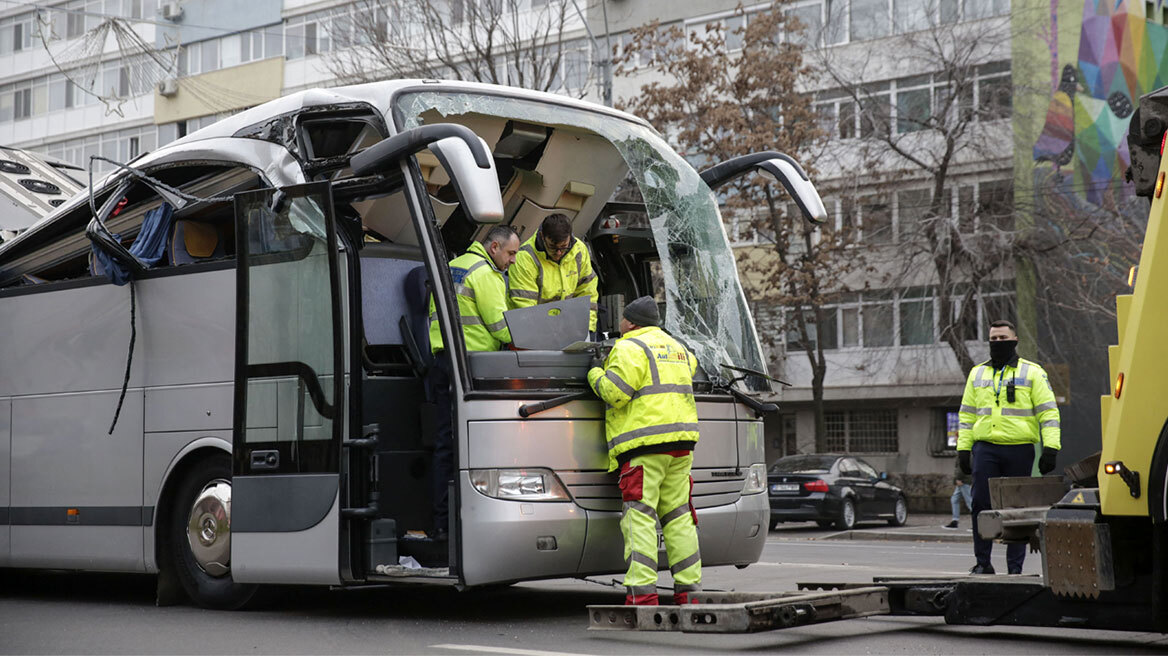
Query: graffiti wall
{"points": [[1103, 55]]}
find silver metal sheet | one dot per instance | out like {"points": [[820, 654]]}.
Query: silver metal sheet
{"points": [[549, 326], [311, 556], [499, 537]]}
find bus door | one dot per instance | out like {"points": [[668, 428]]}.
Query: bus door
{"points": [[289, 389]]}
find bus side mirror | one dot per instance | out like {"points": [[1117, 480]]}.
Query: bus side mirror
{"points": [[477, 187], [781, 168], [461, 152]]}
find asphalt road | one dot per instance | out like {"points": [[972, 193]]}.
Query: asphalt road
{"points": [[50, 612]]}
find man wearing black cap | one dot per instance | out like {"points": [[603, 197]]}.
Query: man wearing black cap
{"points": [[651, 425]]}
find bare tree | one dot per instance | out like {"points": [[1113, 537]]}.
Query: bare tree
{"points": [[946, 124], [733, 91], [511, 42]]}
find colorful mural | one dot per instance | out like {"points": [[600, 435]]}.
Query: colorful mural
{"points": [[1121, 56]]}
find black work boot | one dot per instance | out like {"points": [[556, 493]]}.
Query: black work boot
{"points": [[982, 569]]}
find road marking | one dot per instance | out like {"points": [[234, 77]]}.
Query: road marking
{"points": [[483, 649], [878, 568]]}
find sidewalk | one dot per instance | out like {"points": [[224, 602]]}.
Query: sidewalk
{"points": [[920, 528]]}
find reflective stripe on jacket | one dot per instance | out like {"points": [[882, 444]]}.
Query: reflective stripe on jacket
{"points": [[536, 279], [481, 291], [987, 415], [647, 384]]}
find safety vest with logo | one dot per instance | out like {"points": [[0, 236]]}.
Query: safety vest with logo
{"points": [[481, 291], [647, 384], [536, 279], [988, 415]]}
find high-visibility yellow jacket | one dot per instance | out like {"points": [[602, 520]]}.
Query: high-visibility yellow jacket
{"points": [[987, 414], [537, 279], [647, 384], [481, 291]]}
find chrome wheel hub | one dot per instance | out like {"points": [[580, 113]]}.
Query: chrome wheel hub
{"points": [[209, 528], [849, 514], [901, 511]]}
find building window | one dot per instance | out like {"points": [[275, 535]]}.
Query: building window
{"points": [[861, 431]]}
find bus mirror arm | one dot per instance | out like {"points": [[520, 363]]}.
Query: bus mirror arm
{"points": [[100, 236], [781, 168], [760, 408], [528, 409]]}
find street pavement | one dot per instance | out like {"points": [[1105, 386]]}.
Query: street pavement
{"points": [[55, 612]]}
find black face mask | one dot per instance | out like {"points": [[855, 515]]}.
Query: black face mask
{"points": [[1001, 353]]}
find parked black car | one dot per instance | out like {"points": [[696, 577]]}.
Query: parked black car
{"points": [[832, 489]]}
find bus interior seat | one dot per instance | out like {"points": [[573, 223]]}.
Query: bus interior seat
{"points": [[195, 241], [415, 322], [383, 300]]}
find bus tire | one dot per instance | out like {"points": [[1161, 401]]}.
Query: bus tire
{"points": [[207, 583]]}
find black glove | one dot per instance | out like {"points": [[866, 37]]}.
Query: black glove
{"points": [[1046, 461], [596, 361], [964, 463]]}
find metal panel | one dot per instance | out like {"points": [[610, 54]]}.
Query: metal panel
{"points": [[189, 408], [724, 536], [185, 335], [304, 557], [62, 457], [575, 444], [499, 538], [5, 469], [303, 499], [187, 324], [93, 548]]}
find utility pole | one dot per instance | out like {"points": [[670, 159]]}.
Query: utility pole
{"points": [[604, 59]]}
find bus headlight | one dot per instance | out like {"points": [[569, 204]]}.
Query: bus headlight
{"points": [[755, 479], [534, 484]]}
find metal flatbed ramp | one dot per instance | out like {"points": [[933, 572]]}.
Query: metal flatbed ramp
{"points": [[736, 612]]}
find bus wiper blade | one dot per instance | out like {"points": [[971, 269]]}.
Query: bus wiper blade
{"points": [[760, 407], [752, 372], [528, 409]]}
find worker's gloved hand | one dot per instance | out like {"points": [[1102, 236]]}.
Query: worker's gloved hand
{"points": [[964, 463], [1046, 461], [597, 361]]}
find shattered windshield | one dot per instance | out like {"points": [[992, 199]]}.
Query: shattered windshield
{"points": [[705, 305]]}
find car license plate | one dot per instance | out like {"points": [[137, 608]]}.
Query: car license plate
{"points": [[779, 488]]}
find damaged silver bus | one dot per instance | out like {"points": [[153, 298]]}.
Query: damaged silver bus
{"points": [[250, 407]]}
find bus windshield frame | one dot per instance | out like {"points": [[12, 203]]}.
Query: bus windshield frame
{"points": [[705, 303]]}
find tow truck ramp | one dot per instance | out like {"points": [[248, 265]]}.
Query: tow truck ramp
{"points": [[978, 600]]}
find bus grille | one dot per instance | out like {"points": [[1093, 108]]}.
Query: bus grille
{"points": [[598, 490]]}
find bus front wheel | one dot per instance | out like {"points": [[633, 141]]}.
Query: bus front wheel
{"points": [[200, 536]]}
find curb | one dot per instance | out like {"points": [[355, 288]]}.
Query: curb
{"points": [[901, 536]]}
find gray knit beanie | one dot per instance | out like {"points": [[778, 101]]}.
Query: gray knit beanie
{"points": [[643, 312]]}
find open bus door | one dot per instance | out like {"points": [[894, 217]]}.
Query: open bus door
{"points": [[289, 389]]}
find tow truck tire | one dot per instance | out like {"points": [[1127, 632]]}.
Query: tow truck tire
{"points": [[899, 513], [209, 586], [847, 515]]}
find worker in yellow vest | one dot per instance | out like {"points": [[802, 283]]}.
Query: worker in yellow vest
{"points": [[481, 291], [651, 425], [1007, 408], [552, 266]]}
